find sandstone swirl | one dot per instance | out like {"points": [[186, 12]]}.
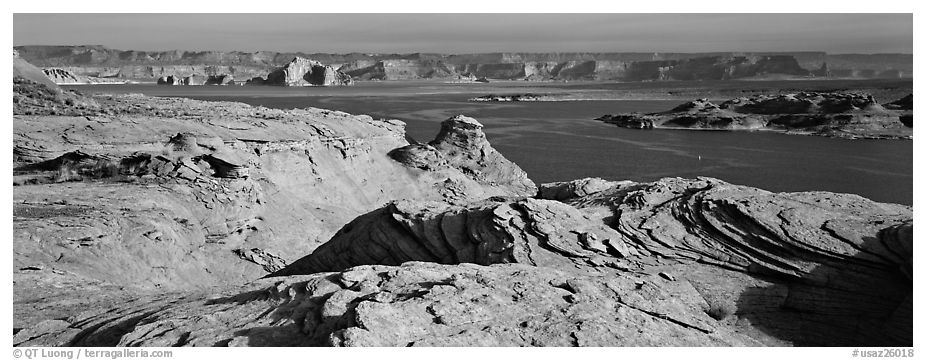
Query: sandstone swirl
{"points": [[846, 115], [172, 222], [675, 262]]}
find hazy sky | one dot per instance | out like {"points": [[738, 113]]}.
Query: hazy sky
{"points": [[465, 33]]}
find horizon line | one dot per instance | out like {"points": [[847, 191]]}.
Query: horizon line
{"points": [[475, 53]]}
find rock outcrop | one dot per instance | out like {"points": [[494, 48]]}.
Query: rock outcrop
{"points": [[221, 79], [161, 194], [462, 145], [63, 77], [675, 262], [305, 72], [509, 98], [847, 115], [195, 80], [904, 103], [169, 80], [22, 69]]}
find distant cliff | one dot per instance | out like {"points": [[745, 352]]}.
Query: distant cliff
{"points": [[304, 72], [147, 65]]}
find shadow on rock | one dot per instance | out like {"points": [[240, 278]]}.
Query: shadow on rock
{"points": [[862, 300]]}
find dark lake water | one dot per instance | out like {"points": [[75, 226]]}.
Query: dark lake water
{"points": [[556, 141]]}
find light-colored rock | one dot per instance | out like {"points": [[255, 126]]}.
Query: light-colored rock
{"points": [[306, 72], [157, 194]]}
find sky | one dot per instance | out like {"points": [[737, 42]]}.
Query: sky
{"points": [[472, 33]]}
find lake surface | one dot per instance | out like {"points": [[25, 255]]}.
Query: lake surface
{"points": [[557, 141]]}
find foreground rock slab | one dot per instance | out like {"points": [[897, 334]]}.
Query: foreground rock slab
{"points": [[416, 304], [677, 262]]}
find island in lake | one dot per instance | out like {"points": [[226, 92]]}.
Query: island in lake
{"points": [[837, 114]]}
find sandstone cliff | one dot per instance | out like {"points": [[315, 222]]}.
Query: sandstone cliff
{"points": [[103, 62], [305, 72]]}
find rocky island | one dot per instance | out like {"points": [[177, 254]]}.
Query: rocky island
{"points": [[148, 221], [510, 98], [845, 115]]}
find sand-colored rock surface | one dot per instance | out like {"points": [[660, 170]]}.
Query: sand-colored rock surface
{"points": [[157, 194], [143, 221], [671, 263]]}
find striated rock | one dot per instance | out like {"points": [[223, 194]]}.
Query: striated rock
{"points": [[847, 115], [576, 188], [417, 304], [63, 77], [268, 261], [156, 194], [836, 263], [708, 263], [536, 232], [305, 72], [136, 222]]}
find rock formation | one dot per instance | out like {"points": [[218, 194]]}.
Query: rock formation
{"points": [[195, 80], [143, 194], [35, 94], [904, 103], [848, 115], [461, 145], [509, 98], [146, 65], [25, 70], [675, 262], [63, 77], [144, 221], [305, 72], [223, 79], [169, 80]]}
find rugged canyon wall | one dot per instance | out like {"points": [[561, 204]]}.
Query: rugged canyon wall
{"points": [[103, 62]]}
